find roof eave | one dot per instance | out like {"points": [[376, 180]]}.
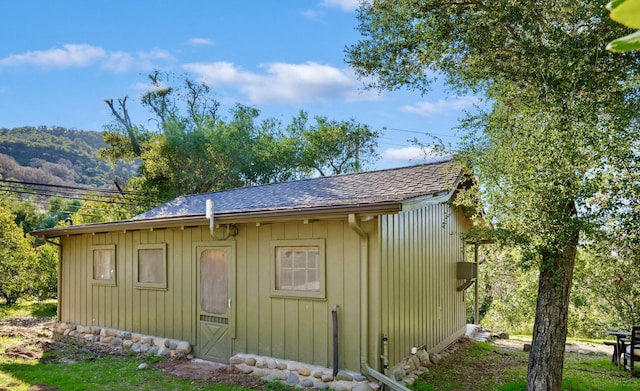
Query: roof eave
{"points": [[224, 218]]}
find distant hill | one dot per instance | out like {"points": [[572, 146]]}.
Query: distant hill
{"points": [[57, 156]]}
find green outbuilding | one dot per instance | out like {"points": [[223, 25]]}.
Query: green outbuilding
{"points": [[267, 269]]}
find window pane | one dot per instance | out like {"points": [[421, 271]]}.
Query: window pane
{"points": [[151, 266], [300, 259], [103, 265], [313, 275], [313, 257], [284, 279], [286, 257], [303, 274], [214, 292], [299, 280]]}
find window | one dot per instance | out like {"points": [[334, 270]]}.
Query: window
{"points": [[298, 268], [104, 264], [150, 269]]}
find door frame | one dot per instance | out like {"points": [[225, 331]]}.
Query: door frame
{"points": [[230, 246]]}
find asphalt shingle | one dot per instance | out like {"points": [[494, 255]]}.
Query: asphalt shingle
{"points": [[392, 185]]}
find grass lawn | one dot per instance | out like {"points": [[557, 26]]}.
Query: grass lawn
{"points": [[31, 359], [28, 357], [481, 366]]}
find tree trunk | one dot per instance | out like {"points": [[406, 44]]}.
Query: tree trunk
{"points": [[550, 328]]}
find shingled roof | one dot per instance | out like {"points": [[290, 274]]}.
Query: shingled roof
{"points": [[364, 188], [382, 191]]}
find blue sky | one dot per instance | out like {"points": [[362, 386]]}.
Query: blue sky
{"points": [[59, 60]]}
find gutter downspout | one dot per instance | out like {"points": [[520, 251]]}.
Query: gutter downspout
{"points": [[364, 310], [59, 287]]}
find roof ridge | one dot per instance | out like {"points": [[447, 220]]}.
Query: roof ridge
{"points": [[264, 185], [363, 188]]}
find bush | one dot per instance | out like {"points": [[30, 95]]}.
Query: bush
{"points": [[24, 271]]}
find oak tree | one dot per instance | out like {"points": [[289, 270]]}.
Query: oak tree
{"points": [[197, 150], [560, 128], [331, 147]]}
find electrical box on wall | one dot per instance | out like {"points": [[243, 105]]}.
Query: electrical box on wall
{"points": [[466, 270]]}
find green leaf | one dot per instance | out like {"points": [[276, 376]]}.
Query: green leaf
{"points": [[625, 12], [626, 43], [614, 4]]}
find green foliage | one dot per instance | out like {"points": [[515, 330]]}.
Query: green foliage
{"points": [[613, 280], [27, 215], [333, 147], [561, 123], [597, 302], [44, 283], [29, 266], [56, 155], [103, 210], [627, 13], [196, 150], [512, 288], [17, 256]]}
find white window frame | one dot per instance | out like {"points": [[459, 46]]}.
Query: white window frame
{"points": [[103, 281], [320, 244], [136, 277]]}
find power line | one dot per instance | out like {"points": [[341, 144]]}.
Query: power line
{"points": [[79, 197], [84, 194], [419, 132], [70, 187]]}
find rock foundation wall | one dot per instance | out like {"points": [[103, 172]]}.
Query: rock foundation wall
{"points": [[301, 375], [290, 372], [122, 340]]}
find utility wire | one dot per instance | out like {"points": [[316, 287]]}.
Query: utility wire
{"points": [[102, 195], [81, 188], [78, 197], [419, 132]]}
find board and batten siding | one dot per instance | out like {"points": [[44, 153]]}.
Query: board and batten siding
{"points": [[298, 328], [167, 312], [282, 327], [418, 298]]}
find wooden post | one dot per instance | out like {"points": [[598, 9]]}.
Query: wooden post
{"points": [[476, 316]]}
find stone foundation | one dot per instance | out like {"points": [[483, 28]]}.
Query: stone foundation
{"points": [[301, 375], [267, 368], [122, 340], [407, 371]]}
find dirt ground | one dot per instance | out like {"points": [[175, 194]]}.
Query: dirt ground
{"points": [[38, 340], [576, 347]]}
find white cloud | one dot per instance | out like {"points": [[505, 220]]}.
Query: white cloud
{"points": [[83, 55], [156, 54], [200, 41], [150, 59], [69, 56], [282, 82], [344, 5], [442, 106], [402, 154], [414, 154], [119, 62]]}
